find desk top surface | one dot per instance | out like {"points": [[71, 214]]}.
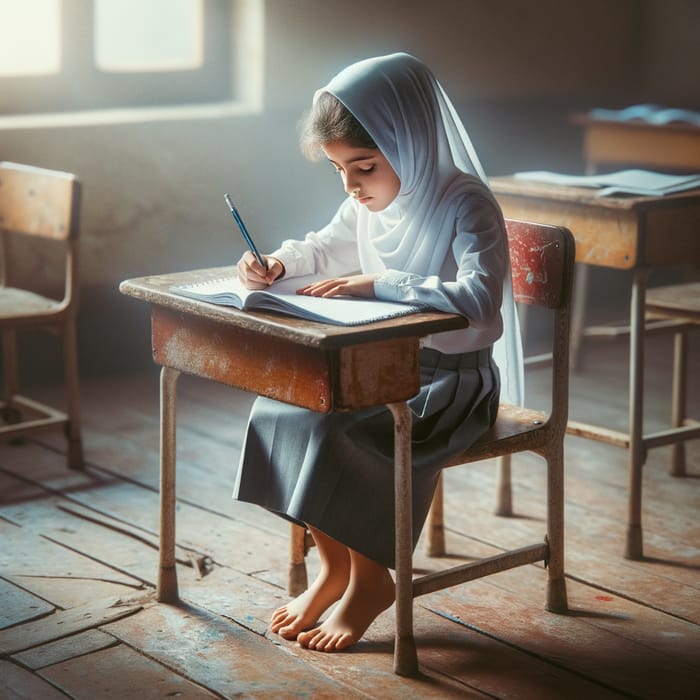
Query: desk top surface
{"points": [[156, 290]]}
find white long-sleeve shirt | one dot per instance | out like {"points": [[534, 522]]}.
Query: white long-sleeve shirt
{"points": [[469, 283]]}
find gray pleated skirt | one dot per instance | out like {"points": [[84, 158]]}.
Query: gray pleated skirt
{"points": [[335, 471]]}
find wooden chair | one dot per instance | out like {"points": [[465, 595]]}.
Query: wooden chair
{"points": [[681, 304], [542, 259], [42, 205]]}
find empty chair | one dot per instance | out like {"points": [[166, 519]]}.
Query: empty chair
{"points": [[41, 205], [681, 304]]}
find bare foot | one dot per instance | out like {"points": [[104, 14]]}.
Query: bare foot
{"points": [[305, 610], [361, 603]]}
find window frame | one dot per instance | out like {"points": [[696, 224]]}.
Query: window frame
{"points": [[213, 81]]}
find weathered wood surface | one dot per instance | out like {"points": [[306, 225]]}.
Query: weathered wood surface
{"points": [[18, 605], [19, 684], [71, 540], [648, 230], [64, 623]]}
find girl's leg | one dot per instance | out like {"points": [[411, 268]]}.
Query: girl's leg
{"points": [[305, 610], [369, 592]]}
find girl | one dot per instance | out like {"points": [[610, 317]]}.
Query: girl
{"points": [[419, 225]]}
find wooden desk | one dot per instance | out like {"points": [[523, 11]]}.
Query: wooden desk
{"points": [[673, 146], [321, 367], [632, 233]]}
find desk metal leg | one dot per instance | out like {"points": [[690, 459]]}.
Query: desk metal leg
{"points": [[578, 315], [637, 450], [405, 657], [678, 401], [167, 574]]}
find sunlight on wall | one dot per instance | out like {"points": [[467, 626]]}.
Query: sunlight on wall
{"points": [[162, 35], [41, 54], [112, 62]]}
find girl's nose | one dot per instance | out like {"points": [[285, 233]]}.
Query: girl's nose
{"points": [[350, 185]]}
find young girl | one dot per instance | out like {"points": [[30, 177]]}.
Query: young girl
{"points": [[419, 225]]}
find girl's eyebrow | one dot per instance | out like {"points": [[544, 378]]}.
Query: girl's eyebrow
{"points": [[357, 159]]}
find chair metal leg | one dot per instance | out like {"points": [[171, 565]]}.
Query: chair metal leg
{"points": [[405, 656], [297, 579], [167, 573], [435, 524], [10, 380], [72, 378], [677, 465], [504, 505]]}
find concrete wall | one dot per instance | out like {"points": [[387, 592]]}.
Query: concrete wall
{"points": [[516, 70]]}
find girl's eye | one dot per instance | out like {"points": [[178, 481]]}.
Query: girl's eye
{"points": [[368, 169]]}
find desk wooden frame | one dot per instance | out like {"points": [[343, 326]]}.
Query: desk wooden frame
{"points": [[630, 233]]}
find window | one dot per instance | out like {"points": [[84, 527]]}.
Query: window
{"points": [[110, 54], [163, 35], [42, 55]]}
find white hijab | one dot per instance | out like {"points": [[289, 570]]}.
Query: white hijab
{"points": [[408, 115]]}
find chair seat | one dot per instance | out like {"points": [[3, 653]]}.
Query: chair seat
{"points": [[18, 303], [679, 301], [515, 429]]}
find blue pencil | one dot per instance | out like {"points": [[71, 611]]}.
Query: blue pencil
{"points": [[244, 231]]}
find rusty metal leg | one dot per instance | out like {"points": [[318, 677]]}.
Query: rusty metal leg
{"points": [[504, 505], [637, 452], [556, 583], [678, 400], [167, 574], [435, 525], [297, 579], [405, 657]]}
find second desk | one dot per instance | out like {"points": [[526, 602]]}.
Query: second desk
{"points": [[625, 233]]}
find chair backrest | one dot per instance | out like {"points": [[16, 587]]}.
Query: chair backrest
{"points": [[542, 265], [542, 258], [40, 203]]}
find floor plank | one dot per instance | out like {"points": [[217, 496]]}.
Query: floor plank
{"points": [[64, 623], [71, 647], [17, 605], [19, 684], [94, 676]]}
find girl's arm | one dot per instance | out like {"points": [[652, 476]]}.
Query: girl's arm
{"points": [[475, 289]]}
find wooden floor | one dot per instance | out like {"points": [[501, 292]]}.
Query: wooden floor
{"points": [[78, 562]]}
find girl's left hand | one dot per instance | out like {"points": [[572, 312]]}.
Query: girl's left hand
{"points": [[353, 286]]}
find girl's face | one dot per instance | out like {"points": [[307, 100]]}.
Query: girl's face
{"points": [[366, 174]]}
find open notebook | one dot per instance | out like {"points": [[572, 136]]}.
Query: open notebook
{"points": [[282, 297]]}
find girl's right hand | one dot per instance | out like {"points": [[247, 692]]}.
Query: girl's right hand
{"points": [[254, 276]]}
